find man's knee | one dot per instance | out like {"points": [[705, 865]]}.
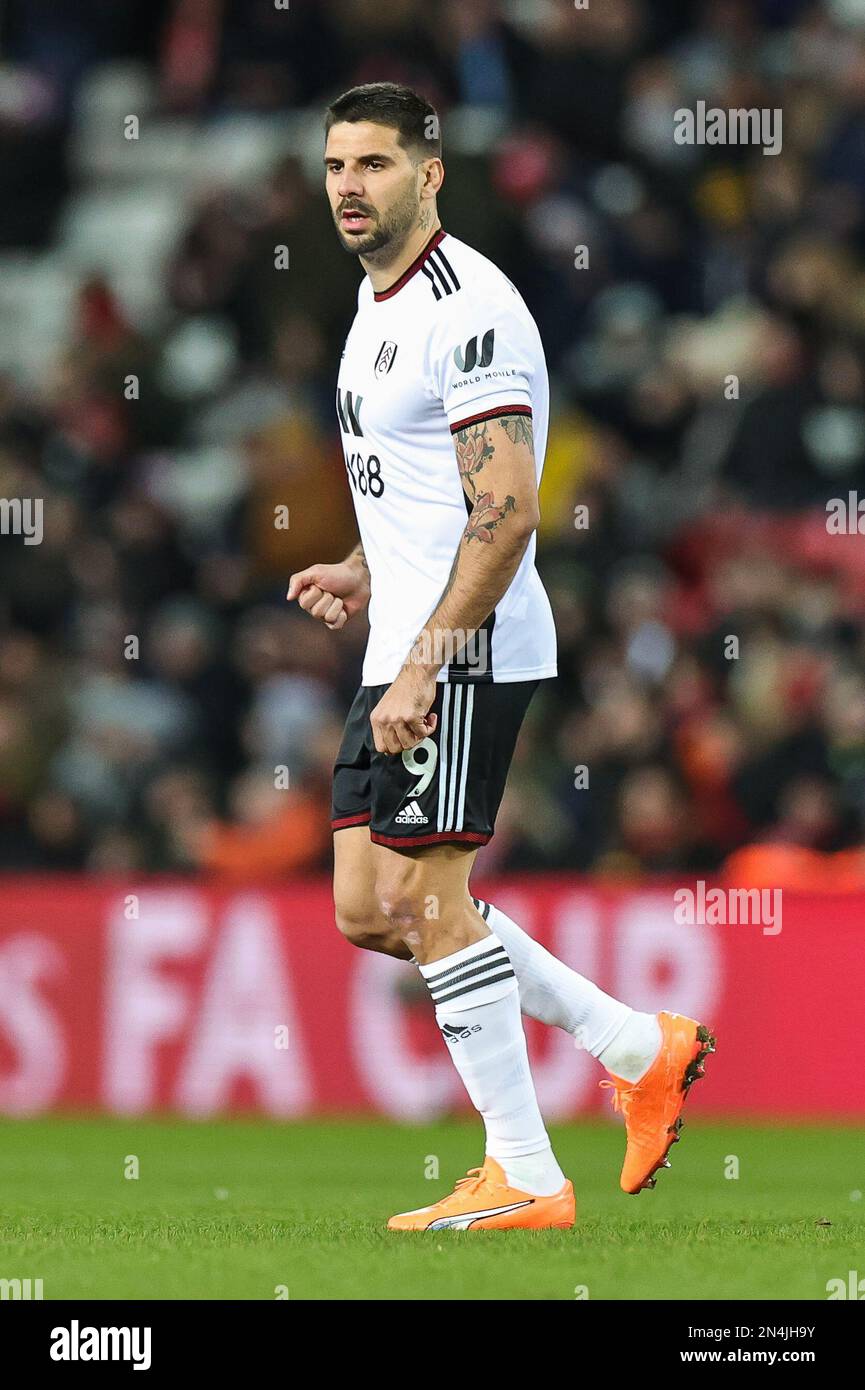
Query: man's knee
{"points": [[365, 927], [360, 927], [427, 905], [402, 901], [355, 907]]}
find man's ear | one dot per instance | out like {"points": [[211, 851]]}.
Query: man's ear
{"points": [[434, 170]]}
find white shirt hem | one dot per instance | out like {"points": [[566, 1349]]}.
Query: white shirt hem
{"points": [[499, 678]]}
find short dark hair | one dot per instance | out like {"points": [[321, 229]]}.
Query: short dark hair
{"points": [[389, 103]]}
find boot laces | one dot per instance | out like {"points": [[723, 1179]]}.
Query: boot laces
{"points": [[622, 1096], [639, 1128], [474, 1178]]}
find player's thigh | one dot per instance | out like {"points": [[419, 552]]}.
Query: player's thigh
{"points": [[353, 882], [354, 895]]}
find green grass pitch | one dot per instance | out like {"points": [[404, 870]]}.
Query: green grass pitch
{"points": [[249, 1209]]}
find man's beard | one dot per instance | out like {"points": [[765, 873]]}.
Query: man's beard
{"points": [[390, 233]]}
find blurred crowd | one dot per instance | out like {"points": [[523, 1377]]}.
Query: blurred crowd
{"points": [[162, 708]]}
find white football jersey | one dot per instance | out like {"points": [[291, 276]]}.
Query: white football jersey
{"points": [[451, 342]]}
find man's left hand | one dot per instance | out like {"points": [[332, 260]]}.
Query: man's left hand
{"points": [[401, 719]]}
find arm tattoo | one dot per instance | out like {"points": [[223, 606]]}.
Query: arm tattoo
{"points": [[518, 429], [486, 516], [473, 448]]}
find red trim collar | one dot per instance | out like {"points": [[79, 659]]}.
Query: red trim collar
{"points": [[413, 269]]}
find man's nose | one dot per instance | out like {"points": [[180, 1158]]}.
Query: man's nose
{"points": [[350, 186]]}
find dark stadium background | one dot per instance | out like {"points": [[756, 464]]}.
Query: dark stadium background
{"points": [[155, 257]]}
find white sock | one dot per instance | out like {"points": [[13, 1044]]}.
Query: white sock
{"points": [[477, 1006], [634, 1048], [553, 993]]}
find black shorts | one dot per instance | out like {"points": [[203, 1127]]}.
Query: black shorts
{"points": [[449, 786]]}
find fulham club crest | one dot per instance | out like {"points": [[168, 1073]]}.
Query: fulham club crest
{"points": [[384, 361]]}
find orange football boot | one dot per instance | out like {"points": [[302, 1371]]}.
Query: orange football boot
{"points": [[483, 1201], [652, 1106]]}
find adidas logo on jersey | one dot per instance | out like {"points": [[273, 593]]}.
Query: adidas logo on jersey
{"points": [[411, 815]]}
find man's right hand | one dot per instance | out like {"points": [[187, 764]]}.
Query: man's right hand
{"points": [[331, 593]]}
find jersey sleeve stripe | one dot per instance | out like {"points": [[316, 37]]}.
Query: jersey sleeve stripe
{"points": [[491, 414]]}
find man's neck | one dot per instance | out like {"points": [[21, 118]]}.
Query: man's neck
{"points": [[383, 273]]}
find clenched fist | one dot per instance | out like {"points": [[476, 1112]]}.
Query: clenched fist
{"points": [[331, 593], [402, 717]]}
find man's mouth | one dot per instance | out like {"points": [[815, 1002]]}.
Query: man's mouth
{"points": [[354, 220]]}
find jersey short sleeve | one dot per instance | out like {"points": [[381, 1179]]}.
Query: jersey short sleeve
{"points": [[483, 353]]}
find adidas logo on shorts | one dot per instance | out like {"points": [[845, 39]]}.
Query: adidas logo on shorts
{"points": [[411, 815]]}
